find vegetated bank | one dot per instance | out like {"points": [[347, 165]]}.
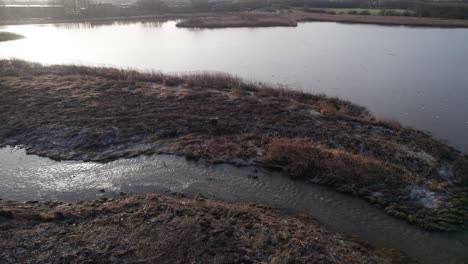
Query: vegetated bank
{"points": [[103, 114], [291, 18], [159, 229], [7, 36], [279, 18], [242, 20]]}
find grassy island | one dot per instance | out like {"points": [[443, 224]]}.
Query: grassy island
{"points": [[7, 36], [291, 18], [258, 18], [103, 114]]}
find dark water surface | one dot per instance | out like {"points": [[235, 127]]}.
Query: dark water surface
{"points": [[418, 76], [29, 177]]}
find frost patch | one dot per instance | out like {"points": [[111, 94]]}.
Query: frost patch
{"points": [[427, 198], [420, 155], [444, 172]]}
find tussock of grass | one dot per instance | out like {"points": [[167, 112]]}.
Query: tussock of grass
{"points": [[221, 149], [304, 159]]}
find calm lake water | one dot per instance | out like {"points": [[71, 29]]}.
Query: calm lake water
{"points": [[418, 76]]}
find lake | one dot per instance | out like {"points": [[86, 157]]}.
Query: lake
{"points": [[418, 76]]}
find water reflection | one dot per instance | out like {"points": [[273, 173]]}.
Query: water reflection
{"points": [[25, 177], [91, 25]]}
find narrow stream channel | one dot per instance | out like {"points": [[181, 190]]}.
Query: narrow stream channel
{"points": [[28, 177]]}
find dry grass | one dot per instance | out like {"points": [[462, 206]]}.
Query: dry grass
{"points": [[303, 158], [216, 80], [172, 230], [390, 123], [239, 21], [380, 20], [220, 149], [291, 19], [326, 108], [102, 114]]}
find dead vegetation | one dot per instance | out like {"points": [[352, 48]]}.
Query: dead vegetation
{"points": [[172, 231], [335, 167], [379, 20], [102, 114], [241, 20], [293, 17]]}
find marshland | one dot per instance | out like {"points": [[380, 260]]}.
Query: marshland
{"points": [[93, 128]]}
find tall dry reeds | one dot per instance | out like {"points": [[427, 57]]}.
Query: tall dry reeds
{"points": [[304, 158]]}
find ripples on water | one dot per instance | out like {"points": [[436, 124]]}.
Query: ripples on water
{"points": [[27, 177]]}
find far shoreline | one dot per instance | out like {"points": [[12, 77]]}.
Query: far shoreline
{"points": [[261, 19]]}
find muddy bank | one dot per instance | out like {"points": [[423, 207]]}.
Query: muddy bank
{"points": [[171, 230], [290, 18], [7, 36], [101, 114]]}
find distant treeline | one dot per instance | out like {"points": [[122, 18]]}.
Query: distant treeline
{"points": [[441, 10], [451, 10], [20, 12]]}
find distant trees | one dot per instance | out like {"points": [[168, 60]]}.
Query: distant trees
{"points": [[152, 5], [441, 11], [199, 3], [364, 13]]}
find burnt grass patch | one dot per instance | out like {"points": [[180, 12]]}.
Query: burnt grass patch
{"points": [[103, 114]]}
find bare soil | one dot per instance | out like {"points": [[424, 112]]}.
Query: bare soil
{"points": [[159, 229], [102, 114]]}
